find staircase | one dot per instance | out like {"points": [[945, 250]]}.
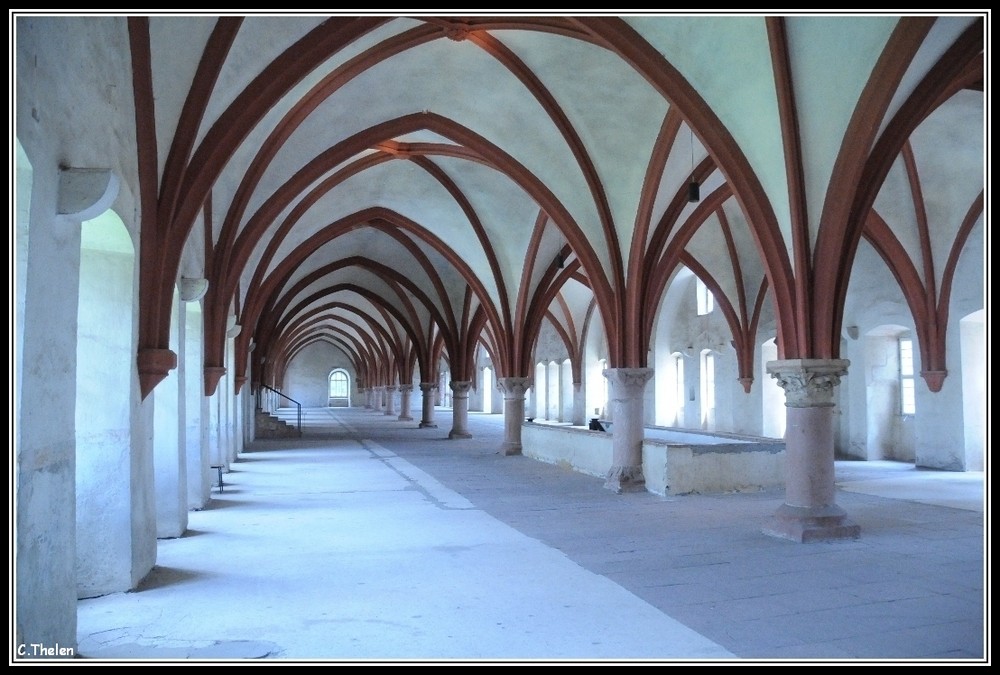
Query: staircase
{"points": [[268, 425]]}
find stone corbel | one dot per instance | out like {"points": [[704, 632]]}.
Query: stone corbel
{"points": [[154, 365]]}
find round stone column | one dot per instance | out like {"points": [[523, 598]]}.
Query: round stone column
{"points": [[390, 400], [427, 391], [627, 388], [810, 511], [379, 399], [513, 389], [404, 402], [460, 409]]}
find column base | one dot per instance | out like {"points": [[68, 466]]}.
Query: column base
{"points": [[427, 425], [803, 524], [508, 449], [459, 434], [405, 418], [623, 479]]}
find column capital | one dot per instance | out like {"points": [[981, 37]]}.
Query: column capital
{"points": [[629, 383], [808, 383], [460, 386], [428, 386], [514, 387], [390, 387], [406, 387]]}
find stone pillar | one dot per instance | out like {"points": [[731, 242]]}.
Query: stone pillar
{"points": [[579, 405], [460, 409], [810, 512], [379, 399], [390, 400], [427, 390], [366, 396], [404, 402], [513, 389], [627, 388]]}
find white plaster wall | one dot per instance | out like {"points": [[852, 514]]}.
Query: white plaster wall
{"points": [[552, 393], [588, 452], [92, 69], [974, 390], [199, 479], [215, 449], [169, 446], [44, 485], [306, 379], [103, 423], [889, 432], [672, 469]]}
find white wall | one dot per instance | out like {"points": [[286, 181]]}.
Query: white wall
{"points": [[307, 376]]}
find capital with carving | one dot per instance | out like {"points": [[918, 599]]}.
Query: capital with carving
{"points": [[808, 383], [460, 387], [428, 386], [514, 387], [628, 383]]}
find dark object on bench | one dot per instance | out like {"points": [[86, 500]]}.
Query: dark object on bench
{"points": [[595, 425], [219, 468]]}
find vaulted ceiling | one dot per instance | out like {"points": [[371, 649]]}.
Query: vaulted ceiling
{"points": [[407, 187]]}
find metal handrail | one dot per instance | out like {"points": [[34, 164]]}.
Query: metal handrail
{"points": [[297, 404]]}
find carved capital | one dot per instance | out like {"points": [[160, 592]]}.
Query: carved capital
{"points": [[808, 383], [406, 387], [460, 388], [427, 387], [628, 383], [514, 387]]}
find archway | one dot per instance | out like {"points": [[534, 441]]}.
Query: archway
{"points": [[115, 508], [974, 392], [889, 386], [487, 389], [773, 418]]}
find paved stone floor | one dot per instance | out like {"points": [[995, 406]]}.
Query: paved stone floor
{"points": [[373, 541]]}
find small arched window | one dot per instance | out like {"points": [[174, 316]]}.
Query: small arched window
{"points": [[340, 389]]}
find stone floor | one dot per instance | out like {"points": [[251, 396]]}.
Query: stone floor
{"points": [[373, 541]]}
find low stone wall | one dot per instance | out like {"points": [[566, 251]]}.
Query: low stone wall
{"points": [[702, 463]]}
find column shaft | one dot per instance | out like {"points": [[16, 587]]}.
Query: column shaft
{"points": [[810, 511], [513, 389], [427, 390], [627, 388], [460, 409]]}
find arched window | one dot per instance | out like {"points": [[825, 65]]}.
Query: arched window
{"points": [[907, 387], [680, 391], [706, 301], [707, 390], [340, 389]]}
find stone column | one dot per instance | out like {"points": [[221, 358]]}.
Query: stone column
{"points": [[404, 402], [366, 396], [460, 409], [379, 399], [810, 512], [427, 410], [390, 400], [627, 388], [513, 389]]}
